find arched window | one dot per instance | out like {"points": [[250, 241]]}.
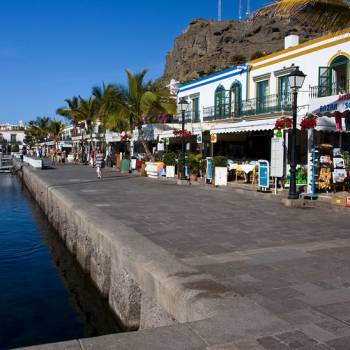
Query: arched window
{"points": [[339, 74], [235, 99], [334, 79], [220, 102]]}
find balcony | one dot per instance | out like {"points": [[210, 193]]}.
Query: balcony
{"points": [[190, 117], [251, 107], [332, 89]]}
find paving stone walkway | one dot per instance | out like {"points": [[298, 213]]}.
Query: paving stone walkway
{"points": [[294, 263]]}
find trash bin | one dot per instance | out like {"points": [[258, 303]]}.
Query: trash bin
{"points": [[124, 167]]}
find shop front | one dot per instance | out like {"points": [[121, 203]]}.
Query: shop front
{"points": [[244, 143], [329, 145]]}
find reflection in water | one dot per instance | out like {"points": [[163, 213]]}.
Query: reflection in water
{"points": [[35, 306]]}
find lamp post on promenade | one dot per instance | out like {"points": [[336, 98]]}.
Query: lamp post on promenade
{"points": [[296, 80], [183, 103]]}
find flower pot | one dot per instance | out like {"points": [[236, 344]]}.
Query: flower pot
{"points": [[193, 177], [220, 178], [170, 171]]}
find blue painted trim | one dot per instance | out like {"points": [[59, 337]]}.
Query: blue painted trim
{"points": [[212, 75], [214, 80]]}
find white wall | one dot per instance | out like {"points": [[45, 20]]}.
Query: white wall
{"points": [[7, 135], [206, 86]]}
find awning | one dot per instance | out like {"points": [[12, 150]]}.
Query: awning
{"points": [[244, 126], [330, 104], [325, 124], [331, 111]]}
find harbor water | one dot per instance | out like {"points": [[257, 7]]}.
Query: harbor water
{"points": [[45, 297]]}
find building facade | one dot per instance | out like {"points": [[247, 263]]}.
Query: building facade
{"points": [[240, 105], [11, 134]]}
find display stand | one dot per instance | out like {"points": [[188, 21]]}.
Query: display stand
{"points": [[264, 176], [311, 184], [209, 170]]}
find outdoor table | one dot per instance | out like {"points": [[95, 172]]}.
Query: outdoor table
{"points": [[245, 168]]}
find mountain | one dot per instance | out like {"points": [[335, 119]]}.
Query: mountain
{"points": [[208, 46]]}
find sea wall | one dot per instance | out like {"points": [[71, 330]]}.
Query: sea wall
{"points": [[145, 286]]}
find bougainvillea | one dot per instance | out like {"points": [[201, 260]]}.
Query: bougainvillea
{"points": [[283, 123], [308, 122], [182, 134]]}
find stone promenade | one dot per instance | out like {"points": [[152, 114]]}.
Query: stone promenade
{"points": [[285, 272]]}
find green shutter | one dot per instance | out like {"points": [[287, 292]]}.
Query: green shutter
{"points": [[324, 81]]}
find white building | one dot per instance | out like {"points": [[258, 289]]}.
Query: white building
{"points": [[240, 105], [11, 133]]}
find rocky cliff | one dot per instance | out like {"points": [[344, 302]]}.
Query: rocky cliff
{"points": [[209, 46]]}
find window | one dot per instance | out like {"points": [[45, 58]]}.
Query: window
{"points": [[283, 92], [219, 101], [333, 80], [235, 99], [339, 74], [195, 108], [262, 90], [13, 138]]}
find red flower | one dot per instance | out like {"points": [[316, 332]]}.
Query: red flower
{"points": [[308, 122], [283, 123], [182, 134]]}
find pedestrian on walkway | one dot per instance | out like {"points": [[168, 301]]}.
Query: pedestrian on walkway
{"points": [[99, 160]]}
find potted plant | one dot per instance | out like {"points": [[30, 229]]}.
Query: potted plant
{"points": [[193, 163], [169, 159], [220, 170]]}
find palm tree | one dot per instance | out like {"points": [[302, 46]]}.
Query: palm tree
{"points": [[70, 111], [56, 129], [87, 112], [139, 103], [328, 15], [37, 130], [107, 98]]}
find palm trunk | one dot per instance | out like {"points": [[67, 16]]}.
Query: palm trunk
{"points": [[149, 155]]}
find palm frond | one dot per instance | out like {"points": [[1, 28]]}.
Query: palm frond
{"points": [[327, 15]]}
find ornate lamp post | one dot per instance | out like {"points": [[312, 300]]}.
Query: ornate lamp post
{"points": [[296, 80], [183, 103]]}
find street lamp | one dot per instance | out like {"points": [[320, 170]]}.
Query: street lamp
{"points": [[183, 103], [296, 80]]}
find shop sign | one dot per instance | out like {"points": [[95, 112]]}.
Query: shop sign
{"points": [[199, 138], [213, 138], [277, 156], [278, 133], [330, 104]]}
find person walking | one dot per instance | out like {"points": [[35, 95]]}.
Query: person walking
{"points": [[99, 159]]}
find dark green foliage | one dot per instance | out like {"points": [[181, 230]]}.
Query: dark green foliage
{"points": [[169, 158], [219, 161]]}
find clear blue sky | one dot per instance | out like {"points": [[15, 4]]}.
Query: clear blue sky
{"points": [[54, 49]]}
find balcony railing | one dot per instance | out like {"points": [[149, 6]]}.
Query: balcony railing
{"points": [[190, 117], [268, 104], [329, 89]]}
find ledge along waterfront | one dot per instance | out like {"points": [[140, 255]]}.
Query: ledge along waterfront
{"points": [[44, 294], [198, 268]]}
